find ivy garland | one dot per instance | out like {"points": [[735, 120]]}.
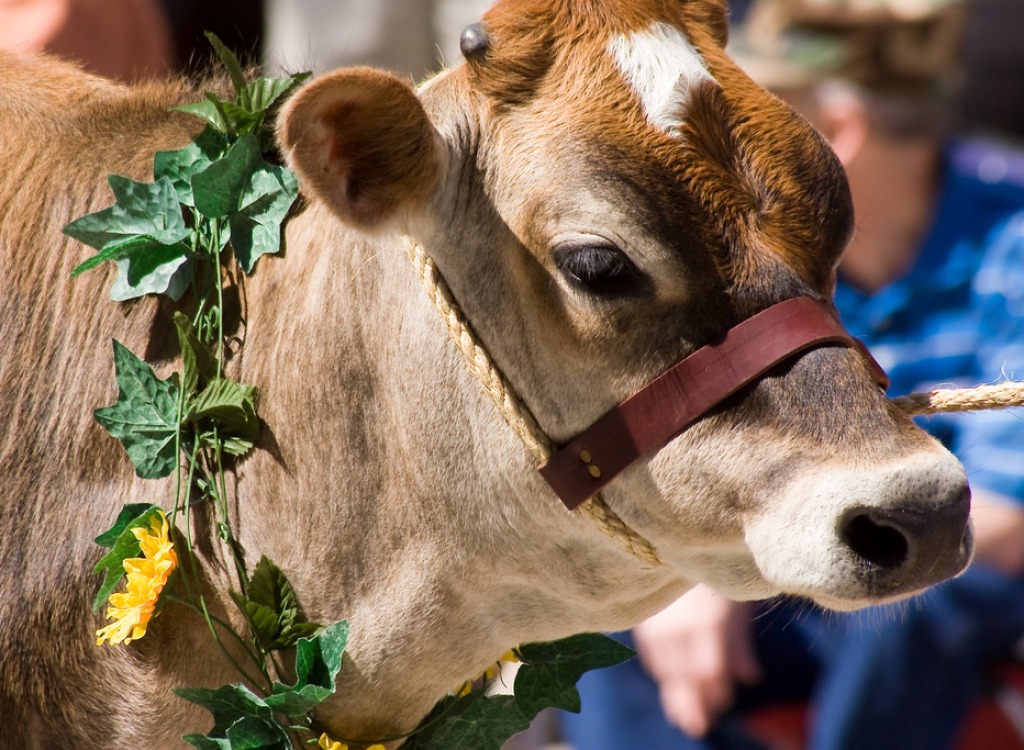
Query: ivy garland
{"points": [[214, 203]]}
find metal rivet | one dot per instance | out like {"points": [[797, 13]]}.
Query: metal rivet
{"points": [[585, 456], [594, 471]]}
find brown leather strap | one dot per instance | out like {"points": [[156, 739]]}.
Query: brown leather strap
{"points": [[681, 395]]}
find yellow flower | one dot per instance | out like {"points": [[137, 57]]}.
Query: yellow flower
{"points": [[510, 656], [147, 576], [328, 744]]}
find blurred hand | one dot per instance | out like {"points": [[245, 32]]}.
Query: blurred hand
{"points": [[998, 532], [697, 649]]}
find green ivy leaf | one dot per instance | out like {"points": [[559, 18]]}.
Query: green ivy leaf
{"points": [[123, 544], [128, 513], [171, 278], [240, 121], [550, 671], [444, 710], [227, 117], [272, 608], [318, 659], [254, 196], [209, 110], [144, 417], [229, 61], [242, 720], [263, 620], [219, 188], [231, 407], [141, 208], [317, 663], [297, 630], [256, 229], [204, 742], [143, 252], [179, 166], [236, 446], [547, 677], [480, 723], [144, 233], [270, 586], [155, 259], [199, 365], [260, 95], [253, 99]]}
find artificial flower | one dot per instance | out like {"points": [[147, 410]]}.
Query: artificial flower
{"points": [[147, 575], [328, 744]]}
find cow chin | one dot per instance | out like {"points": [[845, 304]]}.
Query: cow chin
{"points": [[851, 537]]}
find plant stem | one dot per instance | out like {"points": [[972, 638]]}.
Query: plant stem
{"points": [[198, 598], [230, 630], [220, 299]]}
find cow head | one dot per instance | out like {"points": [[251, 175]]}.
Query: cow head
{"points": [[605, 192]]}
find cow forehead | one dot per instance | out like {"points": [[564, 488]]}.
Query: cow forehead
{"points": [[645, 91], [662, 66], [654, 43]]}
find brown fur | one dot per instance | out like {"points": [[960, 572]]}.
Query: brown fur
{"points": [[385, 483]]}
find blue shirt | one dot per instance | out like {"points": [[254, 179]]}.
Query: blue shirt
{"points": [[957, 319]]}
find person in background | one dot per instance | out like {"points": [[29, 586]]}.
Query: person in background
{"points": [[132, 40], [933, 282], [127, 40]]}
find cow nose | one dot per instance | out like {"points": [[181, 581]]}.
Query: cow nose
{"points": [[902, 548], [876, 537]]}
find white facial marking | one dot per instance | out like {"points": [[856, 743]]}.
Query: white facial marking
{"points": [[662, 67]]}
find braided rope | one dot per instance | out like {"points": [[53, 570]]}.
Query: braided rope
{"points": [[511, 408], [999, 396], [479, 361]]}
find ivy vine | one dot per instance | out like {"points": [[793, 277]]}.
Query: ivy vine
{"points": [[221, 200]]}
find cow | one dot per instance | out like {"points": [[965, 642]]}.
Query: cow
{"points": [[605, 192]]}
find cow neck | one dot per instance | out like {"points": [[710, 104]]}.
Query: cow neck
{"points": [[511, 407], [656, 413]]}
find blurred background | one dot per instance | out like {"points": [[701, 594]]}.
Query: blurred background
{"points": [[137, 39]]}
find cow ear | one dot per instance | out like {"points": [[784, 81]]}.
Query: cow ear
{"points": [[360, 140]]}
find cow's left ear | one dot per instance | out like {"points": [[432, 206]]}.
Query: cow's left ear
{"points": [[360, 140]]}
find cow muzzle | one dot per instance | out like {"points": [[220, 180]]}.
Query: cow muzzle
{"points": [[868, 535], [904, 549]]}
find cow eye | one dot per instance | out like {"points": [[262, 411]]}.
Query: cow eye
{"points": [[598, 268]]}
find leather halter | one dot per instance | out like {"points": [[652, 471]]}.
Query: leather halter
{"points": [[688, 390]]}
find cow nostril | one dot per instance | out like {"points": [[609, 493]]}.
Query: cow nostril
{"points": [[880, 545]]}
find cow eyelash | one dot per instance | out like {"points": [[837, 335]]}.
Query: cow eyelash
{"points": [[598, 269]]}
